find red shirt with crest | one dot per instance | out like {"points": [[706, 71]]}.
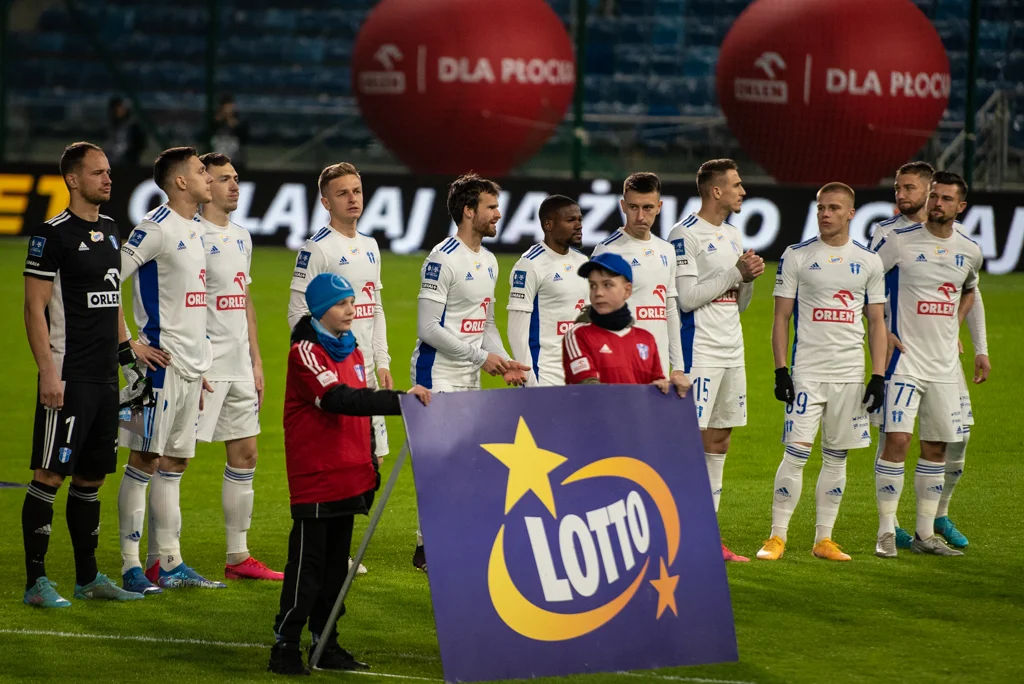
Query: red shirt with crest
{"points": [[624, 357]]}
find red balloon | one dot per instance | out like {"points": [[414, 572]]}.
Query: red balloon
{"points": [[453, 85], [832, 90]]}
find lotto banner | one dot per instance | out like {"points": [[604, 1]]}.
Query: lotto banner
{"points": [[568, 530]]}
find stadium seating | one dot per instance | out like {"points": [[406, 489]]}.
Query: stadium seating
{"points": [[654, 57]]}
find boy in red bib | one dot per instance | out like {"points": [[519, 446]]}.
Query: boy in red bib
{"points": [[331, 472], [608, 348]]}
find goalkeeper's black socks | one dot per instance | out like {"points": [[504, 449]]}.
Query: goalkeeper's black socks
{"points": [[83, 514], [36, 521]]}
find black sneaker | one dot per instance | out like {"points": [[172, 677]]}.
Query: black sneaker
{"points": [[286, 660], [335, 657], [419, 559]]}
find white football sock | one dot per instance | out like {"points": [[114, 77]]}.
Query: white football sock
{"points": [[955, 455], [716, 468], [236, 497], [165, 517], [878, 457], [131, 512], [928, 485], [888, 487], [789, 482], [829, 492]]}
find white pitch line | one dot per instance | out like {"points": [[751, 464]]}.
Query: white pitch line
{"points": [[676, 678], [193, 642]]}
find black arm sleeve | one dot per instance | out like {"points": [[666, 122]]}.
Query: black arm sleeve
{"points": [[361, 402]]}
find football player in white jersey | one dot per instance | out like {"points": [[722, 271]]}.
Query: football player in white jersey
{"points": [[714, 278], [912, 184], [456, 334], [828, 283], [654, 268], [340, 248], [546, 296], [931, 272], [231, 412], [164, 254]]}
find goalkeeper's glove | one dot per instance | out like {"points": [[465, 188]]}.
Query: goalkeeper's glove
{"points": [[139, 390], [874, 393], [784, 390]]}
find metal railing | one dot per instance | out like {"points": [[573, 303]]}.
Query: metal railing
{"points": [[991, 145]]}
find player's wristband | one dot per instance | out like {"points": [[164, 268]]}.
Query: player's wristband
{"points": [[126, 355]]}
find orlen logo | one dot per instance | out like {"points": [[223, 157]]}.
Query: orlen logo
{"points": [[833, 316], [102, 300], [366, 310], [580, 305], [239, 280], [936, 308], [947, 289], [653, 313], [563, 326], [476, 325], [727, 298], [230, 302], [844, 297], [764, 90], [194, 299], [368, 289]]}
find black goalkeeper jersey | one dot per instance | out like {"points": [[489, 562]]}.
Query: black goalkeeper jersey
{"points": [[83, 259]]}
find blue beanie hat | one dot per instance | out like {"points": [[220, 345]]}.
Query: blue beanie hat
{"points": [[326, 290]]}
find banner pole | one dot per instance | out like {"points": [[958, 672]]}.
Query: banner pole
{"points": [[378, 511]]}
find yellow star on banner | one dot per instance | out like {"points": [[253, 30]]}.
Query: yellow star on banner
{"points": [[666, 586], [528, 468]]}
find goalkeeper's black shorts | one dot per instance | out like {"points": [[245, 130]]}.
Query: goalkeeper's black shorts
{"points": [[80, 438]]}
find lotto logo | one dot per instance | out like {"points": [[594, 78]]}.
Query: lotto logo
{"points": [[563, 327], [102, 300], [936, 308], [194, 299], [364, 310], [650, 313], [727, 298], [230, 302], [473, 325], [833, 316]]}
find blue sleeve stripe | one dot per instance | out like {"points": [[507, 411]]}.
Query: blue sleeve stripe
{"points": [[425, 360], [612, 238], [149, 292], [535, 337], [686, 332], [689, 221]]}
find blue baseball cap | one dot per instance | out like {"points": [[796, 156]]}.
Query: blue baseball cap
{"points": [[608, 261], [326, 290]]}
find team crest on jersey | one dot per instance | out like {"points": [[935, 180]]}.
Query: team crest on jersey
{"points": [[490, 272], [35, 246], [360, 373], [735, 247], [303, 260], [214, 250], [921, 258], [664, 260], [371, 257], [95, 236], [959, 259], [353, 251], [557, 278], [835, 260], [136, 238], [712, 248], [343, 262], [644, 351], [648, 252], [567, 268], [855, 268], [181, 245], [113, 240], [941, 251], [519, 279], [241, 245]]}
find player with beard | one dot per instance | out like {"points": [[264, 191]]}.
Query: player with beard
{"points": [[457, 337], [546, 296], [911, 186]]}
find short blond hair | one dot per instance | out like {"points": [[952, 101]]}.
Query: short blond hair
{"points": [[836, 186], [336, 171]]}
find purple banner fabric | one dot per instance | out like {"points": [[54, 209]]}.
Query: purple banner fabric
{"points": [[568, 530]]}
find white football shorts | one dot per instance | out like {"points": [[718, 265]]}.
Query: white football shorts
{"points": [[720, 395], [836, 406], [937, 404]]}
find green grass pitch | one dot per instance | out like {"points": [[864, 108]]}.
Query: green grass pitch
{"points": [[915, 619]]}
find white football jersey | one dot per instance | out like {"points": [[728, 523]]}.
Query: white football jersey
{"points": [[881, 229], [831, 285], [169, 290], [654, 283], [228, 263], [547, 285], [712, 335], [462, 280], [357, 260], [925, 277]]}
